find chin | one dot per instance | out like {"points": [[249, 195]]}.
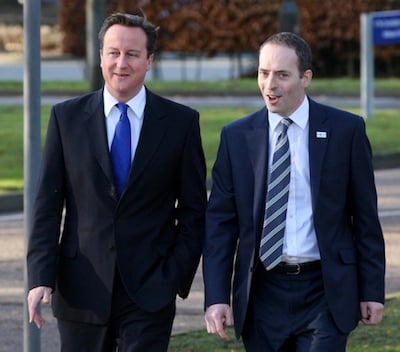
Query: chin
{"points": [[272, 108], [122, 89]]}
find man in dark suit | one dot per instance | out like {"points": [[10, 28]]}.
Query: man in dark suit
{"points": [[127, 247], [303, 283]]}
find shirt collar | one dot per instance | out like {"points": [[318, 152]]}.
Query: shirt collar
{"points": [[136, 104], [299, 116]]}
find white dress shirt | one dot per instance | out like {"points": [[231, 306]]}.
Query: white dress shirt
{"points": [[135, 115], [300, 241]]}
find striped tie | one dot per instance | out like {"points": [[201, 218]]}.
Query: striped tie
{"points": [[276, 204]]}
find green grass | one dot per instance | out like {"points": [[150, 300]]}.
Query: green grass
{"points": [[211, 122], [11, 146], [384, 337], [248, 86], [351, 86], [382, 130]]}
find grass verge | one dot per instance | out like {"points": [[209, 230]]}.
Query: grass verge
{"points": [[382, 130], [245, 86], [384, 337]]}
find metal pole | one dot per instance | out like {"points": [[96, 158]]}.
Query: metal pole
{"points": [[289, 17], [32, 112], [367, 66], [95, 10]]}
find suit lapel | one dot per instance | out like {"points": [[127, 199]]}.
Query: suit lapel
{"points": [[319, 132], [97, 134], [257, 141], [153, 130]]}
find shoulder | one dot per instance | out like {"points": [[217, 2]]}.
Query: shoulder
{"points": [[256, 119], [336, 116], [80, 102]]}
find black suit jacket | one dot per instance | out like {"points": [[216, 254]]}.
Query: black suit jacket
{"points": [[154, 232], [344, 204]]}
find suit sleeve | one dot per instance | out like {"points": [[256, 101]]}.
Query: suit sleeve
{"points": [[367, 229], [45, 232], [191, 203], [221, 230]]}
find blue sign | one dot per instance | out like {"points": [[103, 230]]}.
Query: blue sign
{"points": [[386, 27]]}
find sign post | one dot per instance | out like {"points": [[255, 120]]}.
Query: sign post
{"points": [[377, 28], [32, 111]]}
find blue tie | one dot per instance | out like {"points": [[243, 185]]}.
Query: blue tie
{"points": [[276, 205], [121, 149]]}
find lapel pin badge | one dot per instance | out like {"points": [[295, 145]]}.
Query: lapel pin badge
{"points": [[321, 134]]}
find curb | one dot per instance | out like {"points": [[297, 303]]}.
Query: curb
{"points": [[386, 161], [11, 203]]}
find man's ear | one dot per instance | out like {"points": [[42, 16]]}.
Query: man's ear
{"points": [[307, 77]]}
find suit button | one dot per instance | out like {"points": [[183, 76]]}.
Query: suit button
{"points": [[113, 193], [111, 247]]}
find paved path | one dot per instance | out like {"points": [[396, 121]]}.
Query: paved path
{"points": [[256, 102], [189, 312], [169, 67]]}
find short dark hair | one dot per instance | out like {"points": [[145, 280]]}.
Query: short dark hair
{"points": [[129, 20], [293, 41]]}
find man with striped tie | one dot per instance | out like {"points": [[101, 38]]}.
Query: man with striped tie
{"points": [[292, 218]]}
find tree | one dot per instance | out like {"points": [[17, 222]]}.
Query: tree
{"points": [[210, 27], [72, 23]]}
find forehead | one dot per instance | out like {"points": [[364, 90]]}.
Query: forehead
{"points": [[118, 34], [277, 56]]}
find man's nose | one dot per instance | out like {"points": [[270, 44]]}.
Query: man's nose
{"points": [[270, 82], [121, 62]]}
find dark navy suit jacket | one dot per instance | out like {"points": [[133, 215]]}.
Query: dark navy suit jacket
{"points": [[344, 204], [154, 232]]}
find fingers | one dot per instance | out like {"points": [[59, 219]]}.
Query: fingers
{"points": [[36, 295], [218, 317], [371, 312], [46, 296], [34, 316], [217, 327], [38, 320]]}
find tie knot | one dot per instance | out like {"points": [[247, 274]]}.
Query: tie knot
{"points": [[286, 122], [123, 108]]}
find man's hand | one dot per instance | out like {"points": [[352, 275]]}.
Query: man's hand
{"points": [[218, 317], [37, 294], [371, 312]]}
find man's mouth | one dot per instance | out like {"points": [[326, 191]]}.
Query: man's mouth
{"points": [[273, 98], [121, 75]]}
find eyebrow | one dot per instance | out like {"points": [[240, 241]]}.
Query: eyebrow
{"points": [[129, 50], [278, 71]]}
